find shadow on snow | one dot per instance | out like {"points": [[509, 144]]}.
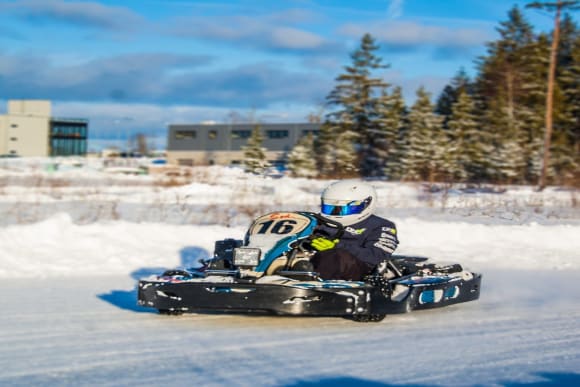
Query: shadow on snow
{"points": [[548, 379], [127, 299]]}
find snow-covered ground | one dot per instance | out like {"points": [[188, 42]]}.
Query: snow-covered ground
{"points": [[73, 243]]}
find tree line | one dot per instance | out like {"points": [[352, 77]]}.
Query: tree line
{"points": [[489, 129]]}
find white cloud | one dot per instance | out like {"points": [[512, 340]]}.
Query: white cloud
{"points": [[273, 32], [80, 13], [292, 38], [410, 34]]}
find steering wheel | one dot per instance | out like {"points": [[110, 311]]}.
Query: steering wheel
{"points": [[328, 222]]}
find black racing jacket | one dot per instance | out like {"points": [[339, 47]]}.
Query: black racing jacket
{"points": [[371, 240]]}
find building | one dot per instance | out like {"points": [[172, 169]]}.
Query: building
{"points": [[221, 144], [29, 129]]}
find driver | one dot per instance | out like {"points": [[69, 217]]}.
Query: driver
{"points": [[367, 239]]}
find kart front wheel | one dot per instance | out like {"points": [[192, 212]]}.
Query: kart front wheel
{"points": [[368, 317]]}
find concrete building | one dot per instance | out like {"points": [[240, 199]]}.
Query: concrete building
{"points": [[29, 129], [221, 144]]}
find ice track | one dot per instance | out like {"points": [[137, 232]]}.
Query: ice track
{"points": [[88, 331]]}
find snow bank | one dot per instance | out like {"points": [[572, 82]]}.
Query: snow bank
{"points": [[58, 247], [78, 220], [483, 246]]}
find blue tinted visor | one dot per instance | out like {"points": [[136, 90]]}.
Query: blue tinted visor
{"points": [[352, 208]]}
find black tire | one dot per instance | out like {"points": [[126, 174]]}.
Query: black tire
{"points": [[365, 318], [167, 312], [170, 273]]}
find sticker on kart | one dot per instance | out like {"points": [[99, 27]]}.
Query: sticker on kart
{"points": [[280, 223]]}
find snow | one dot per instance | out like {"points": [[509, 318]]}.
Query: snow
{"points": [[73, 243]]}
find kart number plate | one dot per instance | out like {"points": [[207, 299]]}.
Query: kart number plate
{"points": [[279, 223]]}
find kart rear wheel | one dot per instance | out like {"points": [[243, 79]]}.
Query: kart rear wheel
{"points": [[368, 317], [170, 273], [167, 312]]}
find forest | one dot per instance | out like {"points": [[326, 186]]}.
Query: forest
{"points": [[490, 128]]}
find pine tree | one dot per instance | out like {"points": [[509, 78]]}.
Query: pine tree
{"points": [[500, 69], [325, 146], [424, 156], [446, 100], [511, 104], [460, 83], [254, 154], [345, 160], [302, 160], [557, 7], [465, 154], [532, 108], [510, 162], [506, 161], [336, 155], [355, 96], [391, 114], [569, 32], [561, 161], [503, 85], [381, 136]]}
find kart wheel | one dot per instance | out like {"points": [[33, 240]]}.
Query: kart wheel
{"points": [[170, 273], [167, 312], [369, 317]]}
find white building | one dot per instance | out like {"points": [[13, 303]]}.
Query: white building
{"points": [[29, 129]]}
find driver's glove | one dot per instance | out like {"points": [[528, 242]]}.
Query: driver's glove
{"points": [[322, 244]]}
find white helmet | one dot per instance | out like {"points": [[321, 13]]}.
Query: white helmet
{"points": [[348, 202]]}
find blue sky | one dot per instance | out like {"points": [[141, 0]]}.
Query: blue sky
{"points": [[138, 65]]}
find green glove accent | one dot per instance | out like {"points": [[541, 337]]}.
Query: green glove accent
{"points": [[322, 244]]}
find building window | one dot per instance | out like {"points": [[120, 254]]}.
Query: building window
{"points": [[277, 133], [185, 134], [68, 131], [314, 132], [212, 134], [13, 139], [14, 125], [241, 133], [68, 138], [185, 162]]}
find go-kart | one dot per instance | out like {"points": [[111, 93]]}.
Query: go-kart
{"points": [[265, 273]]}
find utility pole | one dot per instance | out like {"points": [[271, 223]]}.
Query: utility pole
{"points": [[557, 7]]}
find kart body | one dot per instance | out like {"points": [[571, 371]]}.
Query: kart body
{"points": [[264, 274]]}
